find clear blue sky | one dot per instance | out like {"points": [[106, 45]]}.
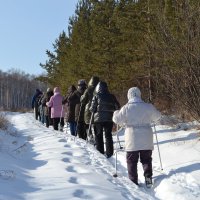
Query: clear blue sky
{"points": [[28, 28]]}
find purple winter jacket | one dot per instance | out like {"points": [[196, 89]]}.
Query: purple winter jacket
{"points": [[55, 103]]}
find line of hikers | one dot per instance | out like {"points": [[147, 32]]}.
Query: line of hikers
{"points": [[80, 103], [94, 105]]}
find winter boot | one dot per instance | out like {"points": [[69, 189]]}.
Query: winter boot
{"points": [[91, 139], [148, 182], [61, 128]]}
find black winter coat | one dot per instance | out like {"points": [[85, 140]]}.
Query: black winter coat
{"points": [[78, 110], [36, 98], [103, 104]]}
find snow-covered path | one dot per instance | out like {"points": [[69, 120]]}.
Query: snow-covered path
{"points": [[48, 164], [53, 165]]}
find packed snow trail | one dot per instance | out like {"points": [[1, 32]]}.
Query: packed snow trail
{"points": [[40, 163], [55, 165]]}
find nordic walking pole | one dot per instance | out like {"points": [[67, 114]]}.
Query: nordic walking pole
{"points": [[118, 137], [158, 147], [60, 118], [90, 126], [120, 147], [115, 174], [79, 113]]}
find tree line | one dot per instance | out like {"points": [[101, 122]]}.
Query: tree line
{"points": [[17, 90], [152, 44]]}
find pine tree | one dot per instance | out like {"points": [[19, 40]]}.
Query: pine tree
{"points": [[130, 21], [58, 66], [104, 42], [81, 41]]}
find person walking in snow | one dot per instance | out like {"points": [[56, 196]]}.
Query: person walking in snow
{"points": [[79, 110], [137, 117], [86, 100], [47, 110], [35, 105], [57, 112], [70, 109], [103, 105], [41, 109], [79, 114]]}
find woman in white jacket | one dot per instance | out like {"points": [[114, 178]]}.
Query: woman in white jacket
{"points": [[137, 117]]}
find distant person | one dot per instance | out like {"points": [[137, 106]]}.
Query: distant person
{"points": [[47, 110], [41, 109], [103, 105], [86, 100], [71, 104], [57, 111], [137, 117], [35, 103]]}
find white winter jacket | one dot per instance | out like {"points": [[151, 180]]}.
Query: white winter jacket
{"points": [[137, 117]]}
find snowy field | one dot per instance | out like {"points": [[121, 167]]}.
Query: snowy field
{"points": [[37, 163]]}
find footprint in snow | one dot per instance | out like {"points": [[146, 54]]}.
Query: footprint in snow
{"points": [[73, 180], [80, 194], [66, 160], [68, 153], [71, 169], [62, 140]]}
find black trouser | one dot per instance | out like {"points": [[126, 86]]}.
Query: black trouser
{"points": [[107, 128], [56, 121], [36, 112], [81, 130], [132, 160], [48, 120]]}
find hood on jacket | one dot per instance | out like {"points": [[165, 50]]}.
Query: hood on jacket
{"points": [[93, 81], [101, 87], [56, 90], [38, 91], [82, 82], [82, 85], [133, 93], [49, 90], [71, 89]]}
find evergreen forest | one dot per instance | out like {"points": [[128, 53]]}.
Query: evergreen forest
{"points": [[152, 44]]}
